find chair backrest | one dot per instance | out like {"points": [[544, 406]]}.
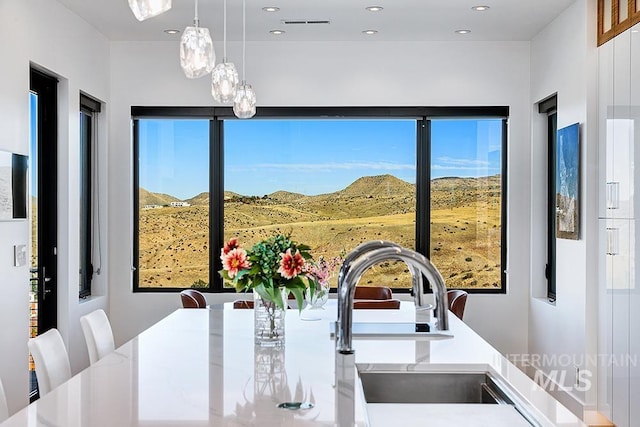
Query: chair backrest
{"points": [[51, 360], [457, 300], [373, 304], [373, 292], [193, 299], [97, 334], [241, 303], [4, 410]]}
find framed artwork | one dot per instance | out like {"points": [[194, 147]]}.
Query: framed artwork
{"points": [[568, 182], [13, 186]]}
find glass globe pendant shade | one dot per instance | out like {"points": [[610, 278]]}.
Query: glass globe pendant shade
{"points": [[224, 82], [197, 56], [145, 9], [244, 103]]}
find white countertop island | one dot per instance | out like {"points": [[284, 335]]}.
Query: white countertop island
{"points": [[201, 368]]}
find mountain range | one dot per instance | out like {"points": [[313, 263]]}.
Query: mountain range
{"points": [[378, 186]]}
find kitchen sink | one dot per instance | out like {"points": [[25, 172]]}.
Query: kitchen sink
{"points": [[431, 387]]}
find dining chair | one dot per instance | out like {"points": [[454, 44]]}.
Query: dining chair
{"points": [[98, 335], [387, 304], [457, 300], [4, 410], [193, 299], [373, 292], [242, 303], [51, 360]]}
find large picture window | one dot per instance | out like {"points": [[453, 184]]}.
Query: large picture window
{"points": [[330, 184], [429, 179]]}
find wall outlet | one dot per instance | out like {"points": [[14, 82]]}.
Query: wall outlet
{"points": [[20, 255]]}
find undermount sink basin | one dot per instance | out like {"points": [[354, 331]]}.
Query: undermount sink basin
{"points": [[431, 387]]}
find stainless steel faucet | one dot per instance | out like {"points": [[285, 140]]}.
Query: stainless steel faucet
{"points": [[369, 254]]}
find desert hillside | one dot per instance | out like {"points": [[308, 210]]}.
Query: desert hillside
{"points": [[147, 198], [465, 228]]}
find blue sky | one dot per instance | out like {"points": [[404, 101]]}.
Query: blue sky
{"points": [[309, 156]]}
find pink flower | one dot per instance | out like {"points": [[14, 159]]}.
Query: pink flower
{"points": [[230, 245], [234, 261], [291, 265]]}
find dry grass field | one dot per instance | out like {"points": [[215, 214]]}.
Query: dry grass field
{"points": [[465, 229]]}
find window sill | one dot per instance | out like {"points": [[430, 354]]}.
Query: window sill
{"points": [[545, 300]]}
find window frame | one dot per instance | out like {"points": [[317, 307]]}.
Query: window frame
{"points": [[89, 109], [549, 107], [217, 116]]}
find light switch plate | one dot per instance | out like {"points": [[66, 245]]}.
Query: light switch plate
{"points": [[20, 255]]}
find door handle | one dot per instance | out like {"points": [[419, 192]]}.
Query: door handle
{"points": [[612, 241], [45, 280], [613, 195]]}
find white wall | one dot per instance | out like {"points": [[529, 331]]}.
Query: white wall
{"points": [[52, 38], [564, 61], [332, 74]]}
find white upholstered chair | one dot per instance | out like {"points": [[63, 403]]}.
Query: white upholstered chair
{"points": [[51, 360], [4, 410], [97, 334]]}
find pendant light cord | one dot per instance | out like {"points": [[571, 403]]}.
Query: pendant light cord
{"points": [[196, 21], [224, 45], [244, 37]]}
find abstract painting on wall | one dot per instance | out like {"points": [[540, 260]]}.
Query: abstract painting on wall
{"points": [[568, 183]]}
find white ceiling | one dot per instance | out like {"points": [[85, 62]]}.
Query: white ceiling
{"points": [[401, 20]]}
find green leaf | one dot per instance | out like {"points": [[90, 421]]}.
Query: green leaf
{"points": [[313, 285], [262, 291], [277, 298], [296, 282], [241, 273], [299, 295]]}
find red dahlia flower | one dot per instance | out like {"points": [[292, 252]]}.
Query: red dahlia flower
{"points": [[234, 261], [291, 265]]}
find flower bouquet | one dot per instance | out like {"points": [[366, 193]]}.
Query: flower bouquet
{"points": [[322, 270], [273, 268]]}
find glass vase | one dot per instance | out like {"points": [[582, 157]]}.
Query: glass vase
{"points": [[268, 321], [318, 299]]}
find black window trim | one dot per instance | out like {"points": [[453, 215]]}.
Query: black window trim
{"points": [[89, 107], [217, 115], [549, 107]]}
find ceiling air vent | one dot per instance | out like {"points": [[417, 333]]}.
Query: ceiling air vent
{"points": [[305, 21]]}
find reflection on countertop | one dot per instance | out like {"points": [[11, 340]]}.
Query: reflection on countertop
{"points": [[201, 368]]}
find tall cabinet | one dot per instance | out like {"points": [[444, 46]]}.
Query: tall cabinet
{"points": [[619, 220]]}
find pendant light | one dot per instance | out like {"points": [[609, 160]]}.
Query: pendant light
{"points": [[145, 9], [197, 56], [224, 77], [244, 103]]}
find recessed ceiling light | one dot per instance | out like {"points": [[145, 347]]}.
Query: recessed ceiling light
{"points": [[370, 32], [270, 9], [172, 31], [374, 8], [480, 8], [277, 32], [463, 31]]}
